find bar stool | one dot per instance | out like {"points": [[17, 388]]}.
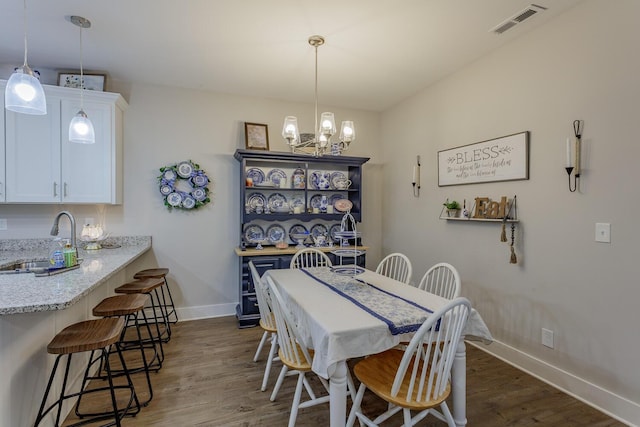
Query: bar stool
{"points": [[159, 316], [157, 273], [131, 308], [90, 335]]}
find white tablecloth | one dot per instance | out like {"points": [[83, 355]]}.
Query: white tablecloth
{"points": [[339, 330]]}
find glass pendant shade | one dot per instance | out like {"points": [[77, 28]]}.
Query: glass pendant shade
{"points": [[24, 93], [347, 131], [81, 129], [327, 124], [290, 130]]}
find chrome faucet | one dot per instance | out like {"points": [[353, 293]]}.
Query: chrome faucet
{"points": [[72, 220]]}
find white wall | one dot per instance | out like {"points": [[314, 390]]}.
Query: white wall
{"points": [[168, 125], [582, 65]]}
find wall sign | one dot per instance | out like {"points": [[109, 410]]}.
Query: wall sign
{"points": [[500, 159]]}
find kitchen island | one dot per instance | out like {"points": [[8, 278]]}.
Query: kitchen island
{"points": [[34, 309]]}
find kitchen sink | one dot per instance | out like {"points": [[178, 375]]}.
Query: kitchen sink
{"points": [[41, 267]]}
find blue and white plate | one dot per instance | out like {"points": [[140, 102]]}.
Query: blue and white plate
{"points": [[335, 228], [256, 175], [318, 230], [335, 177], [255, 200], [188, 202], [200, 180], [165, 190], [185, 169], [174, 199], [276, 200], [276, 233], [199, 194], [315, 201], [297, 229], [253, 234], [297, 200], [170, 175], [277, 177], [347, 270], [320, 180]]}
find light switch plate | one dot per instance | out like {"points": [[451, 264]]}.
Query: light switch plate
{"points": [[603, 232]]}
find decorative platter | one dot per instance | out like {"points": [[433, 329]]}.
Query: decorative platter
{"points": [[343, 205], [315, 201], [335, 228], [277, 177], [336, 177], [319, 230], [297, 229], [276, 233], [254, 234], [256, 175], [255, 200], [347, 270], [276, 201]]}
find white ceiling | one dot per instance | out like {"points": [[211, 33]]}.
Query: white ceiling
{"points": [[377, 52]]}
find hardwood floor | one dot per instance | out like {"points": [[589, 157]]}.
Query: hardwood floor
{"points": [[209, 379]]}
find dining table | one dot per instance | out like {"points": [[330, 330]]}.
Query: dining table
{"points": [[347, 312]]}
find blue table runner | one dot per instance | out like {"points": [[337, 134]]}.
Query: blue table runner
{"points": [[400, 314]]}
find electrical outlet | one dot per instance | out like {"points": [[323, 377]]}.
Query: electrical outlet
{"points": [[547, 338], [603, 232], [3, 223]]}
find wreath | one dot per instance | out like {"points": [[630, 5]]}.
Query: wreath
{"points": [[184, 186]]}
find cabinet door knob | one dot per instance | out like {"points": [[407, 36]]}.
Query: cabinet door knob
{"points": [[65, 190]]}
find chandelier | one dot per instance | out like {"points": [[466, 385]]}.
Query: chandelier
{"points": [[320, 144]]}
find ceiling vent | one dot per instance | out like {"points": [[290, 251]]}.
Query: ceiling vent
{"points": [[518, 18]]}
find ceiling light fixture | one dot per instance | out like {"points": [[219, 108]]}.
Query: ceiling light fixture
{"points": [[321, 142], [24, 93], [81, 129]]}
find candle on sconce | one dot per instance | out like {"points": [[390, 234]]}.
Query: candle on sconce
{"points": [[568, 153], [415, 174]]}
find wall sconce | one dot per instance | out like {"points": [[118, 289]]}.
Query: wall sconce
{"points": [[577, 131], [416, 178]]}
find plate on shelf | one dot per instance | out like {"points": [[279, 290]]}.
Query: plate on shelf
{"points": [[315, 201], [255, 200], [297, 229], [297, 200], [277, 177], [320, 180], [318, 230], [333, 199], [335, 177], [343, 205], [276, 233], [253, 234], [335, 228], [256, 175], [277, 201]]}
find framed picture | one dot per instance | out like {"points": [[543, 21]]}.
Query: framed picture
{"points": [[256, 136], [91, 81], [500, 159]]}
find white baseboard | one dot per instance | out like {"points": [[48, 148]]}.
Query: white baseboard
{"points": [[615, 406], [206, 311]]}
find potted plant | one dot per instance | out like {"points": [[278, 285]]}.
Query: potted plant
{"points": [[452, 207]]}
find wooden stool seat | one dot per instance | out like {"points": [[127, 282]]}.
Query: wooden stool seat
{"points": [[151, 273], [121, 305], [144, 286], [86, 336]]}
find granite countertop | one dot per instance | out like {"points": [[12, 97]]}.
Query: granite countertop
{"points": [[26, 293]]}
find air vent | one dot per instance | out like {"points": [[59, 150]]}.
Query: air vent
{"points": [[517, 18]]}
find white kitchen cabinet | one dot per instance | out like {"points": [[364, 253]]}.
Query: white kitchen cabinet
{"points": [[2, 174], [42, 166]]}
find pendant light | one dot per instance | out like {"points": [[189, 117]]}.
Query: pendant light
{"points": [[24, 93], [81, 129]]}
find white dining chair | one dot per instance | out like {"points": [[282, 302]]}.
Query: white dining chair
{"points": [[442, 279], [296, 358], [310, 257], [396, 266], [418, 377], [267, 323]]}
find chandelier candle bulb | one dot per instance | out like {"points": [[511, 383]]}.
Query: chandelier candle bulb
{"points": [[568, 153]]}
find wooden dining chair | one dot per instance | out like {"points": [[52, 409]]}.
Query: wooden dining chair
{"points": [[396, 266], [267, 323], [296, 358], [443, 280], [418, 377], [310, 257]]}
